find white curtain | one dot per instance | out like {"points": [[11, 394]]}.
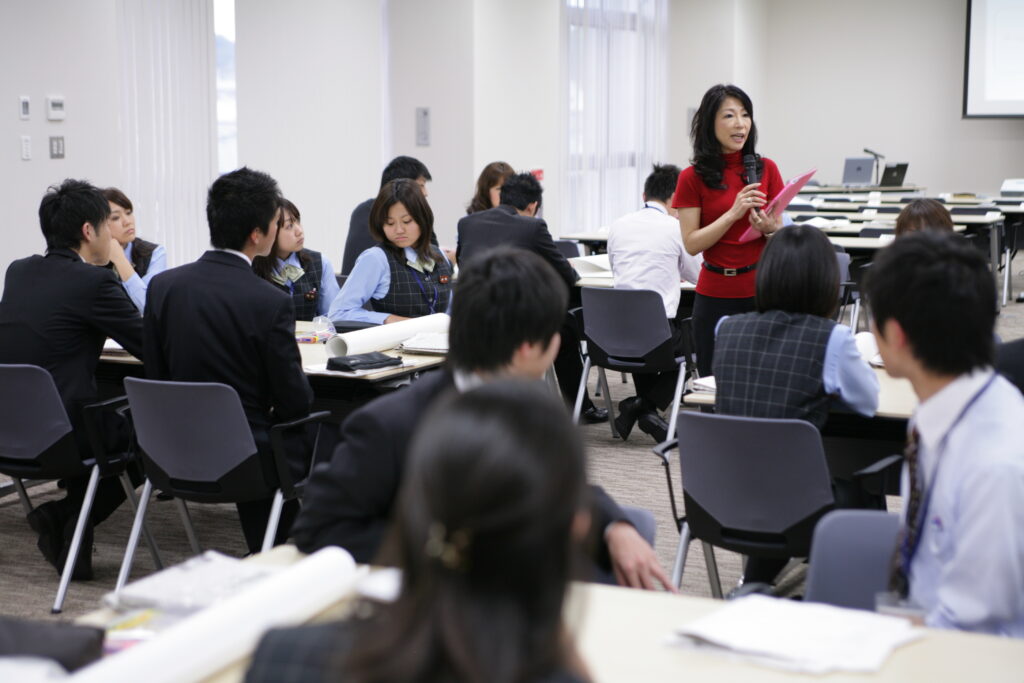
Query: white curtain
{"points": [[617, 77], [168, 119]]}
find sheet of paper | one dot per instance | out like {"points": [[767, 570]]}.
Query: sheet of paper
{"points": [[385, 336], [592, 265]]}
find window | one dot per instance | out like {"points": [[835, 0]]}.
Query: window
{"points": [[227, 108]]}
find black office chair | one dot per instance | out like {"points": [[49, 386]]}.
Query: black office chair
{"points": [[568, 248], [340, 279], [881, 209], [195, 444], [626, 330], [970, 210], [36, 442], [876, 232]]}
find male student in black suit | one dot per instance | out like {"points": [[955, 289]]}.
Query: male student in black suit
{"points": [[514, 223], [56, 312], [358, 239], [499, 327], [215, 320]]}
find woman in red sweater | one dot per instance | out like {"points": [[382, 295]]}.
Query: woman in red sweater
{"points": [[716, 206]]}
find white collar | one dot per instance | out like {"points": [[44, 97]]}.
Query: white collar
{"points": [[238, 254], [467, 381], [936, 416], [293, 259], [656, 206]]}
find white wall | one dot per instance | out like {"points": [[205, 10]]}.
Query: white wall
{"points": [[309, 80], [53, 47]]}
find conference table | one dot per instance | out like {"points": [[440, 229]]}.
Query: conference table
{"points": [[595, 241], [623, 636], [853, 189]]}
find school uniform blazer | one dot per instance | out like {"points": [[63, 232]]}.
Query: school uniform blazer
{"points": [[348, 502], [215, 320], [501, 225], [56, 312]]}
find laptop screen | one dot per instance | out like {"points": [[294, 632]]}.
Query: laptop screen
{"points": [[857, 170]]}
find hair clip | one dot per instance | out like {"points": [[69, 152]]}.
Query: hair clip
{"points": [[450, 551]]}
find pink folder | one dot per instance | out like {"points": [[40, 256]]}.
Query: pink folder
{"points": [[780, 202]]}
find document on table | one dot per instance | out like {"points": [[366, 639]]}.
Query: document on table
{"points": [[808, 637], [868, 347], [589, 266], [705, 385]]}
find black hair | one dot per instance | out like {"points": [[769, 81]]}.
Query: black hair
{"points": [[940, 291], [483, 534], [238, 203], [404, 167], [407, 193], [707, 150], [65, 208], [520, 190], [114, 195], [503, 297], [798, 273], [923, 214], [661, 183], [266, 266]]}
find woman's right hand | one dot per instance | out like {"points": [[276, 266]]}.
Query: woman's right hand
{"points": [[748, 198], [394, 319]]}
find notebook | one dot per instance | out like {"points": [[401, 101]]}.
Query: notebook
{"points": [[857, 171], [893, 175]]}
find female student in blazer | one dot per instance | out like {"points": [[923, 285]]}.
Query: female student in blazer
{"points": [[306, 275], [488, 186], [716, 206], [404, 275], [486, 534], [134, 259]]}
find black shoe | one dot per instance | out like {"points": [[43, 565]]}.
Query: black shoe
{"points": [[629, 411], [83, 564], [651, 424], [48, 521], [593, 415]]}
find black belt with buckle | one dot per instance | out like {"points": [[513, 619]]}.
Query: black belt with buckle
{"points": [[729, 272]]}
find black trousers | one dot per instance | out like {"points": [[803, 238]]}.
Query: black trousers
{"points": [[707, 311], [658, 388], [569, 365]]}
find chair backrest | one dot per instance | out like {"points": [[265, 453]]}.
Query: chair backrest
{"points": [[568, 248], [881, 209], [36, 438], [876, 232], [626, 329], [851, 557], [195, 439], [753, 485], [970, 210]]}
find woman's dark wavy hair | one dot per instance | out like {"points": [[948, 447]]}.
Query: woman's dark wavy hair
{"points": [[407, 193], [264, 265], [483, 534], [493, 173], [707, 151]]}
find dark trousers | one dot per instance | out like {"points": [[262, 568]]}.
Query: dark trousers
{"points": [[569, 365], [115, 436], [707, 311], [658, 388]]}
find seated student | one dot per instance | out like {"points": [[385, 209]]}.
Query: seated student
{"points": [[506, 313], [358, 238], [488, 186], [215, 320], [646, 251], [961, 554], [56, 312], [405, 275], [494, 485], [134, 259], [305, 274], [923, 214]]}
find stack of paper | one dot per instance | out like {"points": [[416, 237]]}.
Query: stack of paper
{"points": [[704, 384], [589, 266], [427, 342], [868, 347], [807, 637]]}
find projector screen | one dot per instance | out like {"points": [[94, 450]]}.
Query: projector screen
{"points": [[994, 61]]}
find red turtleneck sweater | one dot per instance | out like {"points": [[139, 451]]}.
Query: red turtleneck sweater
{"points": [[728, 252]]}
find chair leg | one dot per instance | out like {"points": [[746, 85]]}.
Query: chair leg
{"points": [[581, 391], [76, 539], [26, 502], [190, 530], [602, 381], [133, 537], [129, 492], [273, 521], [684, 546], [1007, 256], [674, 417], [855, 316], [624, 380], [713, 579]]}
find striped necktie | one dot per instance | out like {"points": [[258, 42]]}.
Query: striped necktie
{"points": [[898, 581]]}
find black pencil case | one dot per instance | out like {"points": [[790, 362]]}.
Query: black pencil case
{"points": [[362, 361]]}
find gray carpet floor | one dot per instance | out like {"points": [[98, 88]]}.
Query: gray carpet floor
{"points": [[627, 470]]}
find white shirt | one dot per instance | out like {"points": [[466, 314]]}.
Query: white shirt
{"points": [[968, 571], [646, 251]]}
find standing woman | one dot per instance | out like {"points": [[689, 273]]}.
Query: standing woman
{"points": [[134, 259], [404, 276], [716, 206], [488, 186], [305, 274]]}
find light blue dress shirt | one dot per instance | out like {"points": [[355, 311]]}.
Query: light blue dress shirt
{"points": [[370, 279], [845, 373], [328, 282], [136, 285]]}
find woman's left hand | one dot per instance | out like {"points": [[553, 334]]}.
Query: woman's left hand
{"points": [[766, 223]]}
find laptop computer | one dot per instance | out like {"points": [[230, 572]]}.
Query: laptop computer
{"points": [[857, 171], [893, 175]]}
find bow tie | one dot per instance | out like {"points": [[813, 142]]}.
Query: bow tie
{"points": [[288, 273]]}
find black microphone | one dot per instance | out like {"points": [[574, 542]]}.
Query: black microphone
{"points": [[750, 169], [873, 153]]}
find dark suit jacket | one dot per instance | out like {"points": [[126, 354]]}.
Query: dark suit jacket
{"points": [[1010, 362], [501, 225], [348, 501], [215, 320], [358, 239], [56, 312]]}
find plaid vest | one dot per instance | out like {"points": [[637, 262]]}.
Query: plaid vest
{"points": [[142, 254], [770, 365], [305, 291], [413, 294]]}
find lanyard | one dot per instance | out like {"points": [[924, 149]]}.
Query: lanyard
{"points": [[907, 551], [419, 282]]}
